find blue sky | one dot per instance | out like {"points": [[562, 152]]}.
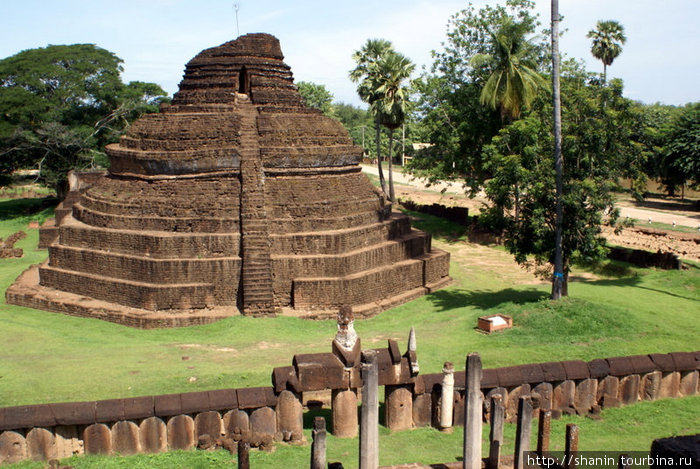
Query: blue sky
{"points": [[155, 38]]}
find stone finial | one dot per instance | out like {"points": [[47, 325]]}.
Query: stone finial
{"points": [[411, 353], [412, 340], [346, 336]]}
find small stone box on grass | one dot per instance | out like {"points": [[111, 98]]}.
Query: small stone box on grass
{"points": [[494, 322]]}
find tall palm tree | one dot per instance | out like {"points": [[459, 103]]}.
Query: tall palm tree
{"points": [[388, 75], [365, 58], [514, 81], [560, 277], [608, 38]]}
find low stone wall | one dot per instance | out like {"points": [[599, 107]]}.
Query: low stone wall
{"points": [[456, 214], [641, 258], [266, 414]]}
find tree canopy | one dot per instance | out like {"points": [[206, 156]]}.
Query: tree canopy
{"points": [[59, 106], [608, 39]]}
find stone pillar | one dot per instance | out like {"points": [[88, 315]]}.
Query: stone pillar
{"points": [[290, 417], [41, 444], [628, 392], [369, 417], [97, 439], [585, 395], [498, 416], [344, 409], [13, 447], [398, 407], [543, 430], [236, 422], [153, 435], [447, 397], [125, 438], [670, 384], [571, 447], [650, 386], [243, 457], [207, 424], [473, 409], [263, 423], [318, 445], [563, 396], [522, 432], [608, 389], [181, 432]]}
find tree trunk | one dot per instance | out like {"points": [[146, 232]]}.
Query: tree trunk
{"points": [[392, 196], [605, 72], [558, 278], [377, 129]]}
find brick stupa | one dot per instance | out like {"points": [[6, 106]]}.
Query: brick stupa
{"points": [[236, 197]]}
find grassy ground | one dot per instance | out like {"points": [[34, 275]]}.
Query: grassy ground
{"points": [[617, 310]]}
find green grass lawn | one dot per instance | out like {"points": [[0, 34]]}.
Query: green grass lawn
{"points": [[49, 357]]}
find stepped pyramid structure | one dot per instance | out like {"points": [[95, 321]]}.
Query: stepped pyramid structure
{"points": [[236, 197]]}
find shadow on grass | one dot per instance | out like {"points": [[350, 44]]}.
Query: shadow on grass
{"points": [[633, 281], [451, 299], [16, 208]]}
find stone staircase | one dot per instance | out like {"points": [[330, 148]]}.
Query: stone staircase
{"points": [[256, 274]]}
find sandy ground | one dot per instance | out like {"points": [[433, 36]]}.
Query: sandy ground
{"points": [[660, 210]]}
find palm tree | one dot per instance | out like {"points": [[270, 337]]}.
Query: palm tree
{"points": [[514, 81], [365, 58], [560, 277], [608, 39], [387, 77]]}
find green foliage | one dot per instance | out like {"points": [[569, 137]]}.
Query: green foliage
{"points": [[316, 96], [681, 155], [60, 105], [448, 102]]}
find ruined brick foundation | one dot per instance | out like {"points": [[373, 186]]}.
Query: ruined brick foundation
{"points": [[236, 197]]}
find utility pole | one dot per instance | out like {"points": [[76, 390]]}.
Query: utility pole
{"points": [[236, 7]]}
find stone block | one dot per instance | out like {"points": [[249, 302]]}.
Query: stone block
{"points": [[598, 368], [74, 413], [608, 386], [390, 373], [620, 366], [68, 441], [195, 402], [563, 394], [663, 362], [586, 395], [510, 376], [111, 410], [394, 351], [223, 399], [545, 394], [532, 373], [576, 369], [167, 405], [316, 371], [689, 383], [26, 416], [553, 371], [263, 422], [208, 423], [511, 401], [153, 435], [398, 407], [125, 438], [344, 410], [683, 361], [283, 378], [670, 384], [422, 408], [642, 364], [650, 386], [253, 398], [41, 444], [137, 408], [236, 422], [13, 447], [97, 439], [349, 358], [290, 416], [489, 378], [181, 432], [458, 409], [628, 392]]}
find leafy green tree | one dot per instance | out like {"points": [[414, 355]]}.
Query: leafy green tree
{"points": [[387, 77], [681, 155], [514, 81], [60, 105], [608, 39], [316, 96], [365, 58], [448, 106]]}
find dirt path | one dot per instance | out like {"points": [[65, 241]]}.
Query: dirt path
{"points": [[660, 210]]}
